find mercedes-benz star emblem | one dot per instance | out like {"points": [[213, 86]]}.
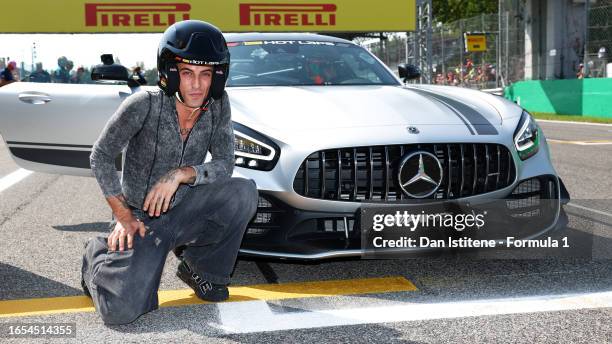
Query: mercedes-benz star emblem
{"points": [[420, 174]]}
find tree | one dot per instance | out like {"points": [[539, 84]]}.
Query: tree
{"points": [[151, 76], [447, 11]]}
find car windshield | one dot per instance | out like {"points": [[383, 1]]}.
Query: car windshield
{"points": [[293, 63]]}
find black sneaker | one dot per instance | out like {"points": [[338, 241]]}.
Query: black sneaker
{"points": [[203, 289]]}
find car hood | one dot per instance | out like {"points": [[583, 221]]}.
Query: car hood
{"points": [[316, 107]]}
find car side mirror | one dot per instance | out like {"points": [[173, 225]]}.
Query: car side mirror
{"points": [[109, 70], [408, 71]]}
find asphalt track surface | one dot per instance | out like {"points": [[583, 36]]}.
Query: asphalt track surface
{"points": [[45, 219]]}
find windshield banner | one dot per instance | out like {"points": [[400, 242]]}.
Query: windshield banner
{"points": [[78, 16]]}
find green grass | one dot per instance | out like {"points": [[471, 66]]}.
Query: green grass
{"points": [[575, 118]]}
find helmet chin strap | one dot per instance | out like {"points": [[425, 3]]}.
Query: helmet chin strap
{"points": [[179, 97], [202, 107]]}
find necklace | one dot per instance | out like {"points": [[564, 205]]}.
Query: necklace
{"points": [[192, 112], [185, 131]]}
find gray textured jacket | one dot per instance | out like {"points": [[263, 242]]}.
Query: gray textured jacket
{"points": [[147, 122]]}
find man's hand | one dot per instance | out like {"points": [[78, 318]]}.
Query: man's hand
{"points": [[125, 229], [158, 199], [126, 225]]}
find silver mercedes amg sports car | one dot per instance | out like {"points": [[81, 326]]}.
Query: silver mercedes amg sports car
{"points": [[324, 128]]}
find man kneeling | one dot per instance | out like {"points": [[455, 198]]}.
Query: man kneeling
{"points": [[169, 198]]}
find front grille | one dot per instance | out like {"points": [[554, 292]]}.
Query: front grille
{"points": [[370, 173]]}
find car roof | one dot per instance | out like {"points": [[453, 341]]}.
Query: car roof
{"points": [[281, 36]]}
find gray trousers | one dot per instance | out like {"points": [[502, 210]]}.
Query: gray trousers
{"points": [[208, 223]]}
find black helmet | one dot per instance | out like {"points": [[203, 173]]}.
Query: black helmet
{"points": [[193, 42]]}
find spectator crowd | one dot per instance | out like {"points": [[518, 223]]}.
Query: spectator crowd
{"points": [[65, 73], [468, 74]]}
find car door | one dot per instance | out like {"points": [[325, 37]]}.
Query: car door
{"points": [[51, 127]]}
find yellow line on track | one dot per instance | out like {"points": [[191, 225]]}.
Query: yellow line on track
{"points": [[172, 298]]}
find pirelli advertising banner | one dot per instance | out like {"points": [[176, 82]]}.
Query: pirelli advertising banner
{"points": [[78, 16]]}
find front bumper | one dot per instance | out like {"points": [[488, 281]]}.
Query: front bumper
{"points": [[281, 231]]}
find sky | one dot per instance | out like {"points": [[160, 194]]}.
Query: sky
{"points": [[82, 49]]}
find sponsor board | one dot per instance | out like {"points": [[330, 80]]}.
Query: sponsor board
{"points": [[90, 16], [475, 42]]}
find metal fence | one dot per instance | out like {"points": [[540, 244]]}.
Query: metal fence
{"points": [[599, 37], [504, 61], [451, 65]]}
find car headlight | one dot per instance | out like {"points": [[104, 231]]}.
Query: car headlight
{"points": [[253, 150], [526, 137]]}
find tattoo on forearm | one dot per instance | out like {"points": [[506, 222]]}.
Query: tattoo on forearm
{"points": [[168, 177], [123, 202]]}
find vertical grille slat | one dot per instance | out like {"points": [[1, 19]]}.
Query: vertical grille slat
{"points": [[370, 174], [354, 196], [322, 177], [306, 177], [386, 174], [339, 175], [399, 189], [475, 169], [498, 168], [462, 173], [487, 163], [442, 185], [354, 173], [360, 174], [449, 164]]}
